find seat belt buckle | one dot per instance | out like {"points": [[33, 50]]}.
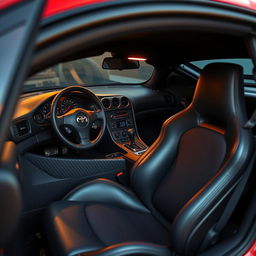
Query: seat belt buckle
{"points": [[251, 122], [211, 239]]}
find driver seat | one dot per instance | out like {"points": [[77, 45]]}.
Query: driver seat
{"points": [[178, 187]]}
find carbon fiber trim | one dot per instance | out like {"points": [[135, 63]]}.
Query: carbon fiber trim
{"points": [[75, 168]]}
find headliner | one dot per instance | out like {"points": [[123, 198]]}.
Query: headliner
{"points": [[173, 48]]}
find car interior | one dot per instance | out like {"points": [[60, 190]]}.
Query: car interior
{"points": [[133, 144]]}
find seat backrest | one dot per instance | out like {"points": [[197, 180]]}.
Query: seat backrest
{"points": [[186, 176]]}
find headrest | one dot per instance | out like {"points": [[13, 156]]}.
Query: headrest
{"points": [[219, 94]]}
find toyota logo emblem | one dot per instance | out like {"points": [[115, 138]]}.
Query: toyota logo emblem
{"points": [[82, 119]]}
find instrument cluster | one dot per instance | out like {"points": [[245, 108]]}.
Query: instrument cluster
{"points": [[42, 114]]}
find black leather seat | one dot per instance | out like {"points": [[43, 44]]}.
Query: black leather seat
{"points": [[179, 187]]}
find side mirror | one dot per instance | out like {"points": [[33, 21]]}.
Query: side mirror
{"points": [[119, 63]]}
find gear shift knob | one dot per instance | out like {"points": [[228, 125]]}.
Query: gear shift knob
{"points": [[131, 134]]}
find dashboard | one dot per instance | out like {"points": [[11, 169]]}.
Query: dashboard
{"points": [[118, 111], [126, 107]]}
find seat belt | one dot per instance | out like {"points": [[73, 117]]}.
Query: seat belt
{"points": [[213, 234]]}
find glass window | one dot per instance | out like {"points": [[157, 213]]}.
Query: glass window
{"points": [[86, 72], [247, 64]]}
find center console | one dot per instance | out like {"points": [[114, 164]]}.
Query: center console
{"points": [[121, 124]]}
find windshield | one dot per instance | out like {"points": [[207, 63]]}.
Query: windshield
{"points": [[86, 72]]}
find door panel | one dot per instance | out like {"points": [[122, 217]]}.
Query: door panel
{"points": [[17, 34]]}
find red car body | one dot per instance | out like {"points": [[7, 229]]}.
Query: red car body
{"points": [[250, 4], [55, 7]]}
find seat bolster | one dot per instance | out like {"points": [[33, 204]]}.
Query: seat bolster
{"points": [[69, 231], [153, 166], [106, 192], [131, 248], [204, 209]]}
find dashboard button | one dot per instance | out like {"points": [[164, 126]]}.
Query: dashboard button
{"points": [[113, 125], [39, 118], [117, 135], [129, 121]]}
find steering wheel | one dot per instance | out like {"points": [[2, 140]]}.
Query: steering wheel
{"points": [[80, 120]]}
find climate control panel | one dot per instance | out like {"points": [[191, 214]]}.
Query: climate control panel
{"points": [[119, 122]]}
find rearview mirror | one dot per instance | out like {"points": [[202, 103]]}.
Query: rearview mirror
{"points": [[119, 63]]}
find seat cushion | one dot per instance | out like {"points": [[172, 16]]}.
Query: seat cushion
{"points": [[75, 227]]}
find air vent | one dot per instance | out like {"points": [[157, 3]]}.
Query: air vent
{"points": [[106, 103], [125, 102], [115, 102], [21, 128]]}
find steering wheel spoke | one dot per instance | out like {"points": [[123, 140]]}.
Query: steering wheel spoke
{"points": [[84, 136], [96, 115], [100, 114], [60, 120]]}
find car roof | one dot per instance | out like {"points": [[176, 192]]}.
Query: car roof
{"points": [[54, 7], [250, 4]]}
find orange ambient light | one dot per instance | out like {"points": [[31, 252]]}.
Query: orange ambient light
{"points": [[137, 58]]}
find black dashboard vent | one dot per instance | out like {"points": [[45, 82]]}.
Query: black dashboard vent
{"points": [[115, 102], [106, 103], [22, 128], [124, 102]]}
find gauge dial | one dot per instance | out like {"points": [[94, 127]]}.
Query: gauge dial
{"points": [[39, 117], [47, 110], [66, 105]]}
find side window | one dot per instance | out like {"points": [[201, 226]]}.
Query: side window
{"points": [[247, 65]]}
